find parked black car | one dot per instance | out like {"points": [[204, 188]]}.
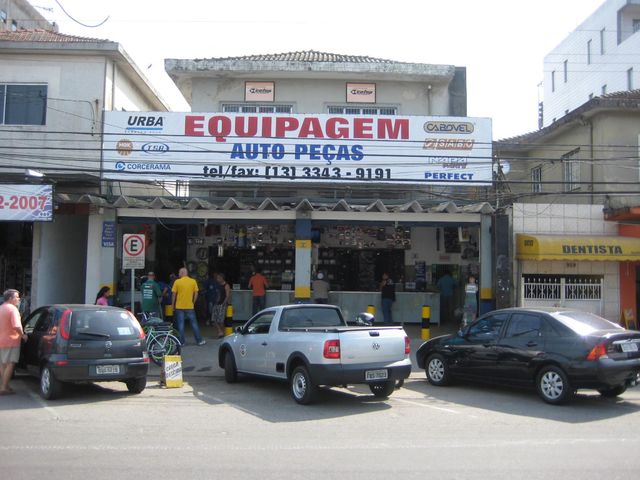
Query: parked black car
{"points": [[556, 350], [80, 343]]}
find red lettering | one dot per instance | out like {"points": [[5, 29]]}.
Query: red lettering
{"points": [[220, 127], [389, 128], [285, 124], [193, 125], [311, 128], [266, 127], [251, 129], [333, 131], [363, 128]]}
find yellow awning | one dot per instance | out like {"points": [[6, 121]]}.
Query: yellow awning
{"points": [[576, 247]]}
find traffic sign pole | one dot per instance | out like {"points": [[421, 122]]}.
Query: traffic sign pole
{"points": [[133, 252]]}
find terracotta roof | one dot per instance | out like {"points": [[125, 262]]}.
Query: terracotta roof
{"points": [[308, 56], [45, 36], [613, 100]]}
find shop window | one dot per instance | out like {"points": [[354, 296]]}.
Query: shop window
{"points": [[351, 110], [23, 104], [253, 108], [3, 16]]}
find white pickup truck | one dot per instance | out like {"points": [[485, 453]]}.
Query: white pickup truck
{"points": [[312, 345]]}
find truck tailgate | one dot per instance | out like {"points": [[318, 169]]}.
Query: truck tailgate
{"points": [[372, 345]]}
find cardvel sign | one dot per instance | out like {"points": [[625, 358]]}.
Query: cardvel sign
{"points": [[311, 148], [133, 248]]}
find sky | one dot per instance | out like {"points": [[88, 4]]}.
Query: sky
{"points": [[502, 43]]}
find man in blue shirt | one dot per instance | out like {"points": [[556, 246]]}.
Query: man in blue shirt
{"points": [[446, 284], [210, 287]]}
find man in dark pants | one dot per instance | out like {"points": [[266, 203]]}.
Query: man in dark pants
{"points": [[446, 284]]}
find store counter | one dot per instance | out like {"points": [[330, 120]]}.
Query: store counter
{"points": [[406, 309]]}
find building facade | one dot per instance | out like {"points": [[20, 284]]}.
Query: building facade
{"points": [[54, 90], [601, 56], [20, 15]]}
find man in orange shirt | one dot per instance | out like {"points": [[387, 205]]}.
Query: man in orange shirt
{"points": [[11, 336], [258, 285], [185, 294]]}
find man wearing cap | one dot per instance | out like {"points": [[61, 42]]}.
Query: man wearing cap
{"points": [[151, 296], [320, 289]]}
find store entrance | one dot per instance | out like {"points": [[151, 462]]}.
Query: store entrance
{"points": [[16, 242], [171, 250]]}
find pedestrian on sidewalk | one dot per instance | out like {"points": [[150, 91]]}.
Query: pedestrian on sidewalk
{"points": [[224, 298], [210, 287], [388, 296], [151, 294], [320, 289], [11, 337], [102, 298], [185, 295], [258, 285]]}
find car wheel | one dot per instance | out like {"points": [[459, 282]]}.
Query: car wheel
{"points": [[613, 392], [136, 385], [230, 370], [382, 390], [553, 385], [303, 390], [50, 386], [437, 370]]}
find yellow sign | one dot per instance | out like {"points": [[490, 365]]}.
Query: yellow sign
{"points": [[172, 371], [560, 247]]}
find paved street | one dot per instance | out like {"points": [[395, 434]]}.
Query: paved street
{"points": [[253, 429]]}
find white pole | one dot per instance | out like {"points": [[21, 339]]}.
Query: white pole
{"points": [[133, 289]]}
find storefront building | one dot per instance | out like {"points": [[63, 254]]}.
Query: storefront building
{"points": [[308, 163]]}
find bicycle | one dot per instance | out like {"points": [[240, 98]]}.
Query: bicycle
{"points": [[159, 338]]}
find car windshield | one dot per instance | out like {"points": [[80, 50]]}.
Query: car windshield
{"points": [[114, 324], [585, 323]]}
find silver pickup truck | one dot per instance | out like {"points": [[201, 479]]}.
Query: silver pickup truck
{"points": [[312, 345]]}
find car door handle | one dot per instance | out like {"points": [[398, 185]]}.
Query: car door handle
{"points": [[531, 343], [264, 344]]}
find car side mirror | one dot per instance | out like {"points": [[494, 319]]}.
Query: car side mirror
{"points": [[239, 330]]}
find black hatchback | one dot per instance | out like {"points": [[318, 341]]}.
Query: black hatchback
{"points": [[84, 343], [557, 351]]}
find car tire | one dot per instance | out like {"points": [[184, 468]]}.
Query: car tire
{"points": [[553, 385], [613, 392], [136, 385], [230, 370], [302, 388], [50, 386], [382, 389], [437, 370]]}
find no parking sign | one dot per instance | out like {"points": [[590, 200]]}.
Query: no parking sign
{"points": [[133, 251]]}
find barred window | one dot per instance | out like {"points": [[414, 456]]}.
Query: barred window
{"points": [[253, 108], [571, 170], [536, 179], [354, 110]]}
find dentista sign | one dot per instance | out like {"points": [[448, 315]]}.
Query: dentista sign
{"points": [[310, 148]]}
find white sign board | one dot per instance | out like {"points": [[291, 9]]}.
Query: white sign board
{"points": [[311, 148], [133, 251], [26, 203]]}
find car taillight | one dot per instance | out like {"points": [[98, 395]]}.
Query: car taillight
{"points": [[407, 346], [599, 351], [136, 325], [145, 357], [65, 321], [332, 349]]}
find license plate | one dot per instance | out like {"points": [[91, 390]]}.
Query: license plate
{"points": [[376, 374], [107, 369], [629, 347]]}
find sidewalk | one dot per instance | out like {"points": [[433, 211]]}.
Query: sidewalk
{"points": [[203, 361]]}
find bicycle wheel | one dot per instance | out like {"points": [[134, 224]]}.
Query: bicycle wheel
{"points": [[163, 344]]}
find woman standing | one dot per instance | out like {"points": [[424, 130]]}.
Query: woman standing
{"points": [[388, 296], [470, 301], [220, 309], [102, 298]]}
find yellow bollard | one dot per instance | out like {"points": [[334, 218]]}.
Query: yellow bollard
{"points": [[228, 321], [371, 309], [426, 318]]}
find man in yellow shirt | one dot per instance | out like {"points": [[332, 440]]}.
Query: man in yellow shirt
{"points": [[185, 294]]}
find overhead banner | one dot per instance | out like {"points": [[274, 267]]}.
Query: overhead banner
{"points": [[26, 203], [310, 148]]}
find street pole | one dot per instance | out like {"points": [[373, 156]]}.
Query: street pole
{"points": [[133, 289]]}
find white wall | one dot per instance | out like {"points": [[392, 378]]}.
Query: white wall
{"points": [[608, 69], [100, 259], [566, 219], [59, 261]]}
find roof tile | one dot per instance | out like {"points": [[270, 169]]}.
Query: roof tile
{"points": [[307, 56], [45, 36]]}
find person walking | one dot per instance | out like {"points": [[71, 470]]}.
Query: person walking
{"points": [[102, 298], [11, 337], [210, 287], [185, 295], [320, 289], [224, 298], [388, 296], [446, 284], [470, 301], [258, 285], [151, 294]]}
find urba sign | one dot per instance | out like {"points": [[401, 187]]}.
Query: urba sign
{"points": [[310, 148]]}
